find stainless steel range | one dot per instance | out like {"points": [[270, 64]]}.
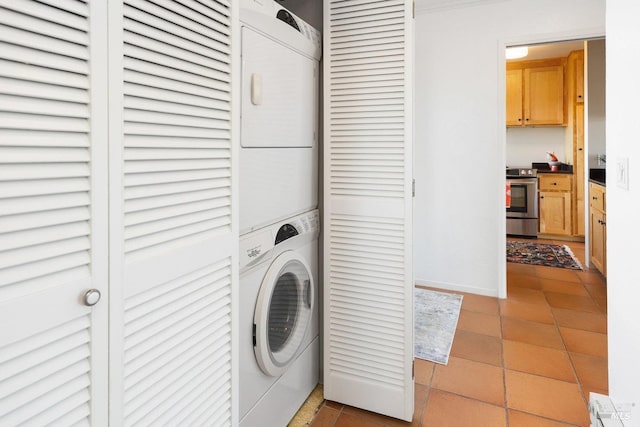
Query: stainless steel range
{"points": [[522, 214]]}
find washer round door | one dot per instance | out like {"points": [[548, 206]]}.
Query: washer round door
{"points": [[283, 312]]}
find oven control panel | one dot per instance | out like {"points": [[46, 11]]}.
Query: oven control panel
{"points": [[522, 172]]}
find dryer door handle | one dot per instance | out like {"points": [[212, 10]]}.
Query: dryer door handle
{"points": [[256, 89]]}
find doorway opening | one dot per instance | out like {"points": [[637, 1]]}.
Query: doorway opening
{"points": [[558, 303], [555, 126]]}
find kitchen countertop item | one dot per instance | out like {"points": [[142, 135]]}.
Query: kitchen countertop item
{"points": [[543, 167]]}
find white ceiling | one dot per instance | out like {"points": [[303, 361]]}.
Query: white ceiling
{"points": [[431, 5], [551, 50]]}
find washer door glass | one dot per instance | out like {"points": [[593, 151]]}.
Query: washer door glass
{"points": [[283, 312]]}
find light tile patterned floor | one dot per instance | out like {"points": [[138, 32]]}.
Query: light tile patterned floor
{"points": [[529, 360]]}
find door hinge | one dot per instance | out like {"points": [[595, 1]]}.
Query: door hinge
{"points": [[413, 188], [413, 369]]}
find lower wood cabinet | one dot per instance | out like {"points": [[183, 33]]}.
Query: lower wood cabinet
{"points": [[597, 227], [555, 212], [554, 201]]}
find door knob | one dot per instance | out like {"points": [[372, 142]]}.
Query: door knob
{"points": [[91, 297]]}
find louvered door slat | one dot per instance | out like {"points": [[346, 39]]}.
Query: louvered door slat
{"points": [[174, 36], [44, 107], [46, 369], [43, 59], [143, 191], [161, 106], [209, 29], [160, 201], [67, 414], [31, 24], [78, 7], [168, 26], [56, 14], [21, 205], [193, 82], [368, 275], [167, 119], [173, 231]]}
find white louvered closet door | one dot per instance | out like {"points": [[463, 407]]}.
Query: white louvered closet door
{"points": [[368, 276], [173, 230], [53, 217]]}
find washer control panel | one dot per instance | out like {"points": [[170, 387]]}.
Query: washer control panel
{"points": [[256, 244]]}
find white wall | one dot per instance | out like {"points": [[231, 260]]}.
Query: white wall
{"points": [[460, 135], [596, 100], [528, 145], [623, 227]]}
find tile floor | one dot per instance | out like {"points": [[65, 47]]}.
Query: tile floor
{"points": [[529, 360]]}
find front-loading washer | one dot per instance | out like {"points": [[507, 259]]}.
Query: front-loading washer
{"points": [[279, 341]]}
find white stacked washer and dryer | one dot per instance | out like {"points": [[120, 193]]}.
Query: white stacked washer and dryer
{"points": [[279, 221]]}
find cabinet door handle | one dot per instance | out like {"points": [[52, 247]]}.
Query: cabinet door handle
{"points": [[519, 119], [554, 183], [542, 197], [594, 197], [579, 149], [527, 119], [603, 223]]}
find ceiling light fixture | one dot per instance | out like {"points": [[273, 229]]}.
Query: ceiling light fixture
{"points": [[517, 52]]}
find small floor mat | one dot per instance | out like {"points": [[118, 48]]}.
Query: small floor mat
{"points": [[542, 254], [436, 318]]}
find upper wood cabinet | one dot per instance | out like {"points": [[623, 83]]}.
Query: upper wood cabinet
{"points": [[579, 76], [536, 93], [514, 97]]}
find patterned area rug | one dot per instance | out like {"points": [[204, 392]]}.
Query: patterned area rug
{"points": [[542, 254], [436, 318]]}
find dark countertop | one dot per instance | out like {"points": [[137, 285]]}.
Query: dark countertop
{"points": [[595, 181], [555, 173], [545, 168], [597, 175]]}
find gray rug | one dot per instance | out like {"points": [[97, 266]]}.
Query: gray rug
{"points": [[436, 318]]}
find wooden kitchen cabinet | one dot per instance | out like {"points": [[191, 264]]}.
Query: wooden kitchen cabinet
{"points": [[598, 227], [514, 97], [575, 136], [554, 204], [536, 93], [579, 76]]}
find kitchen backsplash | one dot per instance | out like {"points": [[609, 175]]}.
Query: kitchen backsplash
{"points": [[528, 145]]}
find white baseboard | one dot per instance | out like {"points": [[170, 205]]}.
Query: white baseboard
{"points": [[458, 288]]}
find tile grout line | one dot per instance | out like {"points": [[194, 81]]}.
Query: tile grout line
{"points": [[504, 365], [565, 350]]}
